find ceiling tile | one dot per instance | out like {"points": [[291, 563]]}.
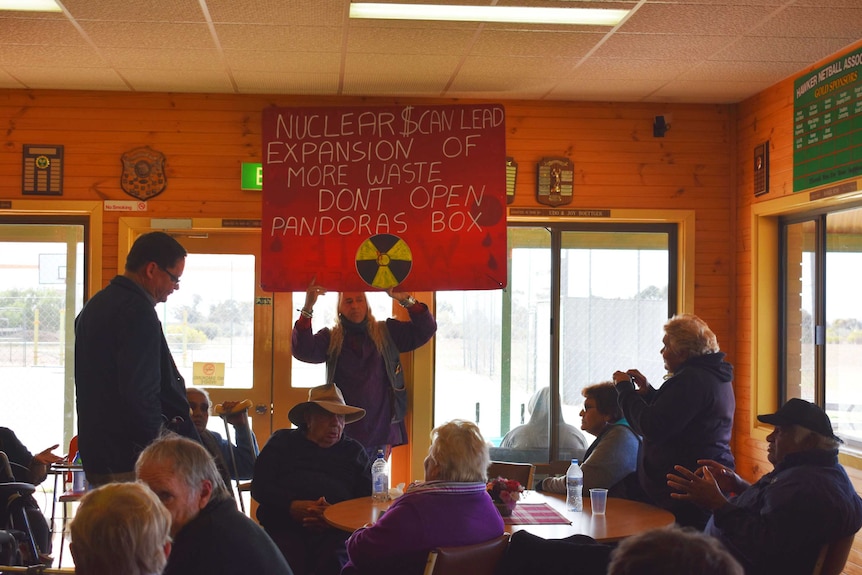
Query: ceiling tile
{"points": [[71, 77], [270, 38], [541, 44], [164, 59], [627, 90], [708, 92], [409, 41], [150, 80], [291, 63], [762, 49], [158, 35], [287, 83], [30, 31], [713, 19], [40, 56], [807, 22], [135, 10], [279, 12]]}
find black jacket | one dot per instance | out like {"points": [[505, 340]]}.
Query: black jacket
{"points": [[126, 382]]}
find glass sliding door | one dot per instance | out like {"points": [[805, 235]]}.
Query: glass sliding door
{"points": [[613, 303], [41, 292], [800, 264], [582, 301], [821, 320]]}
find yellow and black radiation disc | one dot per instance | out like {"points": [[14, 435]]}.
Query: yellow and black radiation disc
{"points": [[384, 261]]}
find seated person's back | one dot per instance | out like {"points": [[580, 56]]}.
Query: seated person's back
{"points": [[534, 433], [450, 508]]}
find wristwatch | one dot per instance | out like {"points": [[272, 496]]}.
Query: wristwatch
{"points": [[408, 301]]}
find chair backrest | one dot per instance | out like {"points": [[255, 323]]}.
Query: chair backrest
{"points": [[73, 448], [520, 472], [833, 556], [70, 456], [479, 559]]}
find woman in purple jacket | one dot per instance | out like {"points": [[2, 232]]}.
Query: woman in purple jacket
{"points": [[450, 508], [363, 356]]}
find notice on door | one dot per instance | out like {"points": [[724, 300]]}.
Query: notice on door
{"points": [[207, 374], [365, 198]]}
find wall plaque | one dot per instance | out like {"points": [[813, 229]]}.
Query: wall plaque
{"points": [[554, 181], [43, 170], [143, 173]]}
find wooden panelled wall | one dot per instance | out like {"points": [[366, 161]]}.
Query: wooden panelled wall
{"points": [[205, 138], [767, 116]]}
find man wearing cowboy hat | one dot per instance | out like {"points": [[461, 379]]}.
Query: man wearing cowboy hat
{"points": [[300, 472], [779, 524]]}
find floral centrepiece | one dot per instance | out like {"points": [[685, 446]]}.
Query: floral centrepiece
{"points": [[505, 494]]}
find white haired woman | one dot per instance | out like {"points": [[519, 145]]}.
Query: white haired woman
{"points": [[689, 417], [122, 529], [451, 507]]}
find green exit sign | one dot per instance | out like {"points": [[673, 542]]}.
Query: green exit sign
{"points": [[252, 176]]}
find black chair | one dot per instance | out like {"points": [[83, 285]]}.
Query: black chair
{"points": [[14, 495], [575, 555]]}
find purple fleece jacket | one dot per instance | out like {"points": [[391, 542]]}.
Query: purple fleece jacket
{"points": [[432, 514]]}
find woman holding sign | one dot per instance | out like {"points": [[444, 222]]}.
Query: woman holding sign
{"points": [[362, 357]]}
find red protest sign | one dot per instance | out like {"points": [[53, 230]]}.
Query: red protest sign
{"points": [[376, 197]]}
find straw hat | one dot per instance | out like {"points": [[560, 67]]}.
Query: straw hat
{"points": [[329, 398]]}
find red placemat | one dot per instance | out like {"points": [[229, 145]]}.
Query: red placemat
{"points": [[534, 514]]}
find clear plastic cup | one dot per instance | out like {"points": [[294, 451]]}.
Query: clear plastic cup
{"points": [[599, 500]]}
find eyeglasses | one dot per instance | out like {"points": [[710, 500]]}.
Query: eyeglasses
{"points": [[174, 278]]}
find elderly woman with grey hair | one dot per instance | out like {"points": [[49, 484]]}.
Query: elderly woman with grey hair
{"points": [[120, 528], [689, 417], [611, 460], [451, 507]]}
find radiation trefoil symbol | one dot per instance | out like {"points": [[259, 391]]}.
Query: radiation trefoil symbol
{"points": [[384, 261]]}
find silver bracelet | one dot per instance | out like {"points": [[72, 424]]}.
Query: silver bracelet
{"points": [[408, 301], [306, 313]]}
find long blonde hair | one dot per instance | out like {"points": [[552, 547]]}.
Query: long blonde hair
{"points": [[336, 340]]}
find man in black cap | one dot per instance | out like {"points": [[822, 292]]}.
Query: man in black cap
{"points": [[779, 524]]}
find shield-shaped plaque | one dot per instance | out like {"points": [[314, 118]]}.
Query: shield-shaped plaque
{"points": [[143, 173]]}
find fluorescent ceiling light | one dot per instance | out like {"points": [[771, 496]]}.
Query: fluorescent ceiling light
{"points": [[588, 16], [30, 5]]}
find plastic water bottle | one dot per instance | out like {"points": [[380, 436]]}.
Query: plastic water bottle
{"points": [[574, 487], [379, 479], [79, 482]]}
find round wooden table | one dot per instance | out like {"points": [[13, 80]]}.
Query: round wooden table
{"points": [[623, 517]]}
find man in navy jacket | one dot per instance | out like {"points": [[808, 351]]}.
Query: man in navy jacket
{"points": [[126, 382], [779, 524]]}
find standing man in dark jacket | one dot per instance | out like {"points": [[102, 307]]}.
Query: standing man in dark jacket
{"points": [[126, 381], [689, 418], [779, 524]]}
